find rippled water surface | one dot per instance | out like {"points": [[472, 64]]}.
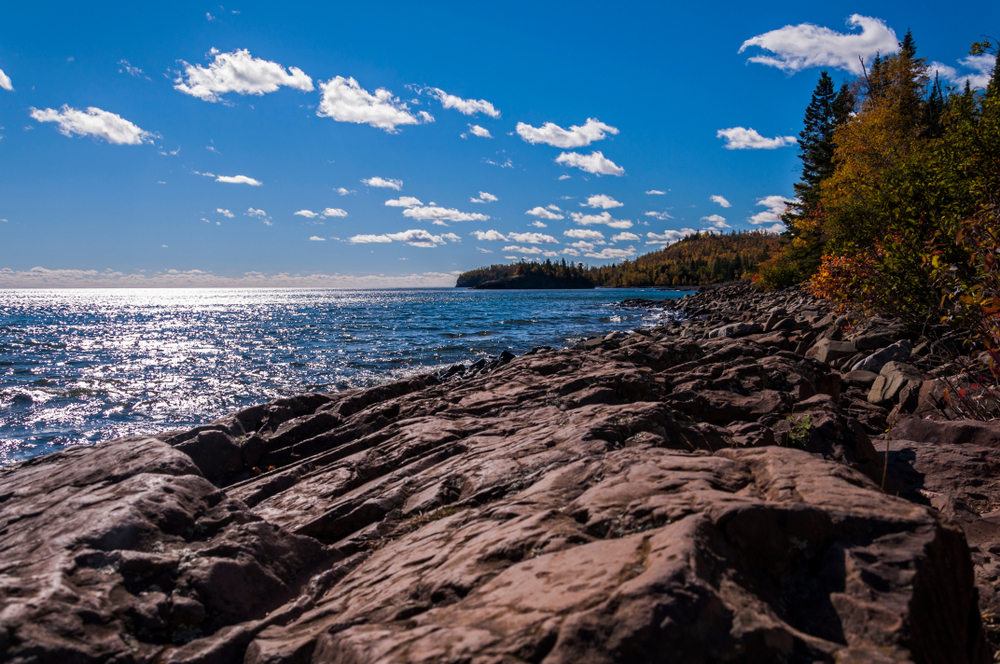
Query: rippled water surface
{"points": [[80, 366]]}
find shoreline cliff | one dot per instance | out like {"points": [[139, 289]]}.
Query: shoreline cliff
{"points": [[722, 488]]}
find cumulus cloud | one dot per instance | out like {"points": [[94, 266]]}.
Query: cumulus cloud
{"points": [[489, 235], [982, 65], [544, 214], [308, 214], [739, 138], [602, 218], [602, 201], [798, 47], [40, 277], [5, 82], [720, 200], [334, 212], [464, 106], [658, 215], [344, 192], [574, 137], [241, 73], [669, 237], [776, 206], [532, 238], [344, 100], [94, 122], [612, 254], [403, 201], [716, 221], [239, 179], [484, 197], [427, 118], [476, 130], [538, 224], [384, 183], [316, 238], [434, 212], [656, 192], [524, 250], [626, 237], [256, 213], [584, 234], [570, 252], [414, 237], [224, 212], [595, 163]]}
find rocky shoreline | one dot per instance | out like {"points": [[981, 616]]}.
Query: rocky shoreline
{"points": [[754, 481]]}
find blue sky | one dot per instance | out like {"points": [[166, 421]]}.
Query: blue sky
{"points": [[397, 144]]}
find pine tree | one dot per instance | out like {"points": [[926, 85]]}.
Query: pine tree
{"points": [[816, 144]]}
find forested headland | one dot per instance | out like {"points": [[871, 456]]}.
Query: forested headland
{"points": [[697, 260]]}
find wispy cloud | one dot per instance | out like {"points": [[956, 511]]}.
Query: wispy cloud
{"points": [[344, 100], [484, 197], [464, 106], [385, 183], [94, 122], [658, 215], [238, 179], [544, 214], [502, 164], [798, 47], [656, 192], [316, 238], [602, 201], [982, 66], [720, 200], [574, 137], [127, 68], [602, 218], [739, 138], [238, 72], [594, 163], [436, 213]]}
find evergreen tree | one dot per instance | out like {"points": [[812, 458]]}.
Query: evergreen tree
{"points": [[816, 144]]}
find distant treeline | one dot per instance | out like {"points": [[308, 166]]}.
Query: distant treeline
{"points": [[697, 260]]}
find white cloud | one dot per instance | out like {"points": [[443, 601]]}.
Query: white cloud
{"points": [[451, 237], [612, 254], [315, 238], [797, 47], [413, 237], [485, 251], [720, 200], [484, 197], [403, 201], [602, 218], [532, 238], [538, 224], [481, 132], [656, 192], [716, 221], [94, 122], [442, 214], [489, 235], [982, 65], [583, 245], [602, 201], [739, 138], [126, 67], [626, 237], [544, 214], [524, 250], [238, 179], [565, 177], [40, 277], [344, 100], [776, 228], [669, 237], [464, 106], [241, 73], [570, 252], [662, 216], [584, 234], [5, 82], [427, 119], [226, 213], [554, 207], [255, 213], [333, 212], [384, 183], [595, 163], [308, 214], [344, 192], [776, 206], [575, 137], [506, 164]]}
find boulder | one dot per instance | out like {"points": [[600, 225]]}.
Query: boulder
{"points": [[828, 350], [891, 380], [897, 352], [734, 330]]}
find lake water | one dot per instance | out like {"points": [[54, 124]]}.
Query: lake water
{"points": [[81, 366]]}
